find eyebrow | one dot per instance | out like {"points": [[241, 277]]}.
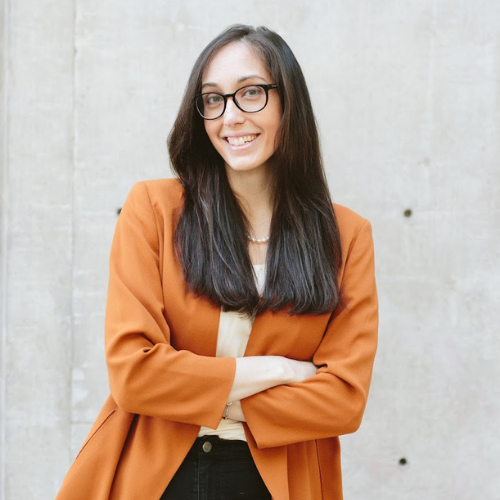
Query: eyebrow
{"points": [[240, 80]]}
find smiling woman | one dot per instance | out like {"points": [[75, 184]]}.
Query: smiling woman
{"points": [[246, 140], [241, 322]]}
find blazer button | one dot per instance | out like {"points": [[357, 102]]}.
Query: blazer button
{"points": [[207, 446]]}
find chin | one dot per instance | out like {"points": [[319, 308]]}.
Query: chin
{"points": [[248, 165], [244, 167]]}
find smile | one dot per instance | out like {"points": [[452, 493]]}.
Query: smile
{"points": [[239, 141]]}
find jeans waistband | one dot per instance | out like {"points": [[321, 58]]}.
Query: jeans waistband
{"points": [[214, 447]]}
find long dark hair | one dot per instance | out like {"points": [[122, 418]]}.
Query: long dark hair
{"points": [[304, 253]]}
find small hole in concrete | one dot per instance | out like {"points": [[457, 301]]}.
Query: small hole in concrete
{"points": [[407, 212], [118, 210], [403, 462]]}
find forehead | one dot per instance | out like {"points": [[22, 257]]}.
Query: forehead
{"points": [[234, 61]]}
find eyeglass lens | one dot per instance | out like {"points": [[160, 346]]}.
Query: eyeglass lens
{"points": [[251, 98]]}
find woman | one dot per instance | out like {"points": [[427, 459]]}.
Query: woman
{"points": [[247, 241]]}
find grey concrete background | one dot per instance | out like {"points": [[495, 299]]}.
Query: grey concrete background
{"points": [[407, 96]]}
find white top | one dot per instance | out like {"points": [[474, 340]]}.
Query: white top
{"points": [[232, 340]]}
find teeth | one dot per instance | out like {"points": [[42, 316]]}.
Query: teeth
{"points": [[239, 141]]}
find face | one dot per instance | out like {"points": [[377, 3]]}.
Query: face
{"points": [[246, 141]]}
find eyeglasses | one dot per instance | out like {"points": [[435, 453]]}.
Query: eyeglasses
{"points": [[250, 99]]}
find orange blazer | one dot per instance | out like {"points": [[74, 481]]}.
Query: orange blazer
{"points": [[166, 381]]}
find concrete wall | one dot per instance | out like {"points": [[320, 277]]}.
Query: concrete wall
{"points": [[407, 96]]}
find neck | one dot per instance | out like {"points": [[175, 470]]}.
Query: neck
{"points": [[254, 192]]}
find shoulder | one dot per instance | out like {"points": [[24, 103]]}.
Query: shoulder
{"points": [[152, 208], [351, 226], [159, 189], [347, 219], [162, 195], [153, 203]]}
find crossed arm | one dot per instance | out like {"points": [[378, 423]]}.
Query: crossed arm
{"points": [[259, 373]]}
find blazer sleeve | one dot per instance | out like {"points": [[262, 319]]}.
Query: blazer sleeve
{"points": [[332, 402], [146, 374]]}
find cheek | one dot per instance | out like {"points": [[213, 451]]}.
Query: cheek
{"points": [[212, 130]]}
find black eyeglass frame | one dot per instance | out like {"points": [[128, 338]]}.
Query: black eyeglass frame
{"points": [[266, 86]]}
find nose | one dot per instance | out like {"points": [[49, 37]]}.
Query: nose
{"points": [[233, 114]]}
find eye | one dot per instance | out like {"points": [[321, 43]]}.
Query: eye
{"points": [[212, 99], [251, 92]]}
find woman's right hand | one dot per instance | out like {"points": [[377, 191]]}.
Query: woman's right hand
{"points": [[299, 370], [255, 374]]}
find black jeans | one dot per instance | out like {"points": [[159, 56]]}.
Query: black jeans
{"points": [[217, 469]]}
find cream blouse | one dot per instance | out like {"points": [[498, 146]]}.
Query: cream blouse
{"points": [[232, 339]]}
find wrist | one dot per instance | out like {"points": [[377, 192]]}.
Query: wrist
{"points": [[287, 374]]}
